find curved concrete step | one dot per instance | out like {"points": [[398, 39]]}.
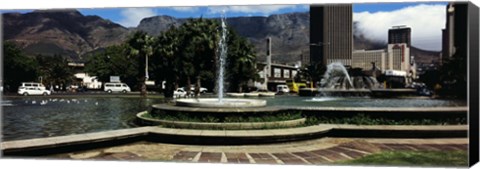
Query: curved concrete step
{"points": [[221, 137]]}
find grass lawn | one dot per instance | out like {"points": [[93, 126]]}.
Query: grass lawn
{"points": [[413, 158]]}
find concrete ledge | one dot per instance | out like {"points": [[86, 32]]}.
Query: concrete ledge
{"points": [[381, 109], [79, 142], [400, 113], [172, 108], [215, 103], [229, 126]]}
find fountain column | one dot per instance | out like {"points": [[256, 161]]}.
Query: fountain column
{"points": [[222, 57]]}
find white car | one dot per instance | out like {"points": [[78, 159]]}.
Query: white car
{"points": [[283, 89], [33, 91], [202, 89], [33, 84], [116, 87], [179, 93]]}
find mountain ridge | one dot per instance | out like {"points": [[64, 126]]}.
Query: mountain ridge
{"points": [[74, 35]]}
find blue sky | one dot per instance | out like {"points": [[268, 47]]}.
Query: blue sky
{"points": [[425, 19], [119, 15]]}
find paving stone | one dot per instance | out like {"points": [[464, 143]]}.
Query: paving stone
{"points": [[288, 158], [305, 154], [317, 160], [260, 155], [237, 158], [463, 147], [431, 147], [422, 147], [338, 154], [361, 146], [283, 155], [210, 157], [293, 161], [397, 146], [185, 156], [444, 147], [350, 153], [263, 158], [331, 155]]}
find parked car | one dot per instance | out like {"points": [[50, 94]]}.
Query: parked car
{"points": [[33, 91], [179, 93], [116, 87], [202, 89], [32, 84], [282, 89]]}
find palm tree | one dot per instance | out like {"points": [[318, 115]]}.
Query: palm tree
{"points": [[141, 46], [54, 69], [241, 62], [166, 50], [203, 44]]}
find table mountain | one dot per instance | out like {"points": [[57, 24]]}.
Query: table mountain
{"points": [[63, 32]]}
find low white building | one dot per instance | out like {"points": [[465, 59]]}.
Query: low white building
{"points": [[396, 57], [364, 59], [91, 82]]}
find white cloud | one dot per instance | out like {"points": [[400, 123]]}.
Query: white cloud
{"points": [[131, 17], [426, 22], [248, 9], [185, 9]]}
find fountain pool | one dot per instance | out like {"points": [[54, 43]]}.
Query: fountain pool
{"points": [[23, 120]]}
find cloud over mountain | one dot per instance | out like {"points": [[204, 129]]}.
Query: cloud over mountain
{"points": [[131, 16], [248, 9], [426, 22]]}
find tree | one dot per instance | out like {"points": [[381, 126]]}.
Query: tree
{"points": [[202, 47], [113, 61], [166, 49], [17, 67], [189, 54], [453, 75], [140, 45], [241, 62], [54, 70]]}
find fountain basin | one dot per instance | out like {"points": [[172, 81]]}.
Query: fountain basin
{"points": [[236, 94], [226, 103], [220, 125]]}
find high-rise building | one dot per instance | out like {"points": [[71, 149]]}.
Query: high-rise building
{"points": [[447, 34], [399, 34], [455, 33], [398, 57], [331, 34]]}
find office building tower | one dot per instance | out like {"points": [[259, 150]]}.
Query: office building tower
{"points": [[331, 34]]}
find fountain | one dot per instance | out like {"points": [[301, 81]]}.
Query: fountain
{"points": [[338, 82], [221, 102], [224, 113], [337, 77], [222, 43], [333, 75]]}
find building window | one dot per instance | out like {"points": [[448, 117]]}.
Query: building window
{"points": [[294, 73], [286, 73], [277, 73]]}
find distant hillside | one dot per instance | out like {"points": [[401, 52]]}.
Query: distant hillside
{"points": [[289, 32], [67, 33], [424, 56]]}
